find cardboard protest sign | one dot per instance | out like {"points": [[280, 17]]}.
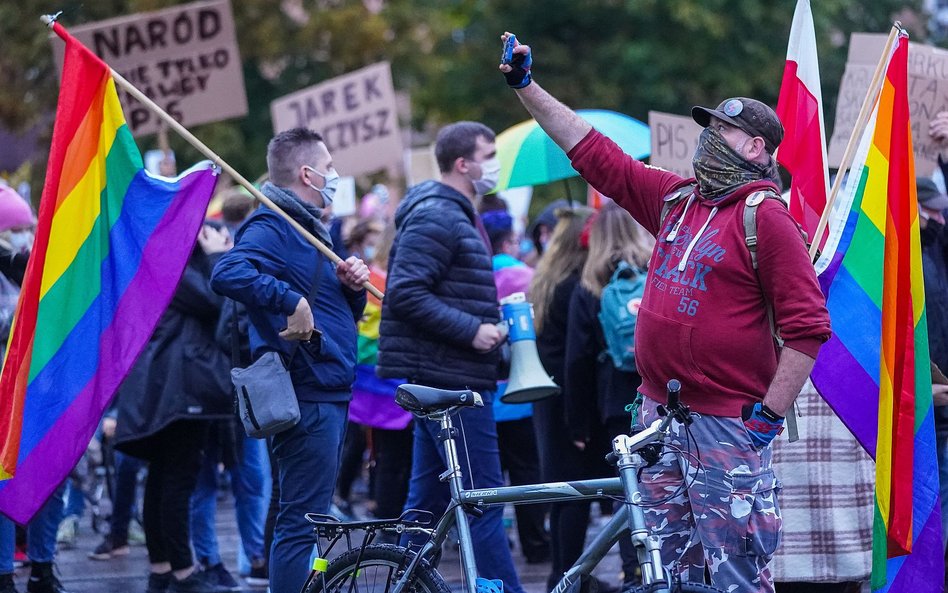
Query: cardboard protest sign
{"points": [[420, 164], [356, 114], [928, 95], [674, 139], [184, 58]]}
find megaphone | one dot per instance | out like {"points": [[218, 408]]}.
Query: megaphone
{"points": [[528, 381]]}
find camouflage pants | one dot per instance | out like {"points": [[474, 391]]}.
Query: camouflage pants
{"points": [[726, 516]]}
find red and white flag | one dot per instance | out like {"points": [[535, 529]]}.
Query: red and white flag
{"points": [[800, 109]]}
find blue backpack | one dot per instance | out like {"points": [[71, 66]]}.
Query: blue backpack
{"points": [[619, 309]]}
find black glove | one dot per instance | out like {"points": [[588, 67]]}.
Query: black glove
{"points": [[520, 63]]}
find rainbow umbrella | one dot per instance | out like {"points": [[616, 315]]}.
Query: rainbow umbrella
{"points": [[529, 157]]}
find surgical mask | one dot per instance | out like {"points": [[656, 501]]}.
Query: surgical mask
{"points": [[490, 174], [21, 241], [368, 254], [329, 190]]}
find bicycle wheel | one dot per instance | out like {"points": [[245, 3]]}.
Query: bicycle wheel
{"points": [[378, 570], [680, 588]]}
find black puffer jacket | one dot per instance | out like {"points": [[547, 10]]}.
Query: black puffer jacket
{"points": [[440, 288]]}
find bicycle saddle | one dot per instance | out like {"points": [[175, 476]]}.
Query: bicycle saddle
{"points": [[422, 400]]}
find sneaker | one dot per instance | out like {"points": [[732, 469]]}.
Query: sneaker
{"points": [[6, 583], [68, 532], [219, 576], [158, 583], [258, 577], [109, 549], [43, 580], [197, 582]]}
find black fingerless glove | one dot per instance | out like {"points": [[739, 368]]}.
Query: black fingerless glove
{"points": [[519, 75]]}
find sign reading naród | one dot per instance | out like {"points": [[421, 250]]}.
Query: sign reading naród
{"points": [[356, 115], [185, 59]]}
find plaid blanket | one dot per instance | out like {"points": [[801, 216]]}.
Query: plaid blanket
{"points": [[826, 499]]}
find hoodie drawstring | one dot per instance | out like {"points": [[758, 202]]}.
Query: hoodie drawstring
{"points": [[674, 232], [684, 259]]}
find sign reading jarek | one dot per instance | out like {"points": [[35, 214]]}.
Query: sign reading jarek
{"points": [[674, 139], [928, 95], [356, 115], [184, 58]]}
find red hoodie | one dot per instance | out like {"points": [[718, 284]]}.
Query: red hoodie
{"points": [[704, 320]]}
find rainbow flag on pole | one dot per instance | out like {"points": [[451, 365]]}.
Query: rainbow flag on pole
{"points": [[111, 245], [875, 370]]}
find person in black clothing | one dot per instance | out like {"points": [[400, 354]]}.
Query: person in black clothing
{"points": [[177, 384], [550, 291], [594, 416]]}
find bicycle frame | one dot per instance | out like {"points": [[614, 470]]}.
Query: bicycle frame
{"points": [[629, 519]]}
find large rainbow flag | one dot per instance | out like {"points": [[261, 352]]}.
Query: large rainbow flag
{"points": [[111, 245], [875, 370]]}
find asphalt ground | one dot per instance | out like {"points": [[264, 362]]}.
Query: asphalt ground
{"points": [[128, 574]]}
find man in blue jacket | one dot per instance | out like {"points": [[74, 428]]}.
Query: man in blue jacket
{"points": [[438, 326], [270, 270]]}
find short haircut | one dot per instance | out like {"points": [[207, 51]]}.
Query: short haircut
{"points": [[288, 151], [459, 140]]}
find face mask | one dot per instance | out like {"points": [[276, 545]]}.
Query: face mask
{"points": [[720, 169], [490, 174], [368, 254], [21, 241], [329, 189]]}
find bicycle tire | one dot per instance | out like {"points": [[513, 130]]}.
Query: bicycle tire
{"points": [[680, 588], [379, 568]]}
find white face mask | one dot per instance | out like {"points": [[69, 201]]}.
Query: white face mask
{"points": [[329, 188], [490, 174]]}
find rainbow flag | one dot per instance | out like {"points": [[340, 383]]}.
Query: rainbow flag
{"points": [[111, 245], [875, 370]]}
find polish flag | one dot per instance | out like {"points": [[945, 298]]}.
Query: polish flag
{"points": [[800, 109]]}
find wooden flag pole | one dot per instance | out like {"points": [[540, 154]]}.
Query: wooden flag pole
{"points": [[861, 122], [213, 157]]}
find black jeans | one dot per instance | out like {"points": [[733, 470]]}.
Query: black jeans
{"points": [[519, 458], [172, 475], [392, 450], [560, 460]]}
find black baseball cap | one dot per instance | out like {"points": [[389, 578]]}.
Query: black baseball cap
{"points": [[750, 115]]}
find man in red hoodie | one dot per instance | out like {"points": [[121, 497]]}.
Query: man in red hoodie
{"points": [[705, 319]]}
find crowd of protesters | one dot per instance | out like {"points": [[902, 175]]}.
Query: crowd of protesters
{"points": [[171, 440], [445, 255]]}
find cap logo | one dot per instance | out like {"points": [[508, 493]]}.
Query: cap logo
{"points": [[733, 108]]}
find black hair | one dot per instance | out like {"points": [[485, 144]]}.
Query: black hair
{"points": [[459, 140]]}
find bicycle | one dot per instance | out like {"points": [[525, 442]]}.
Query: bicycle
{"points": [[370, 567]]}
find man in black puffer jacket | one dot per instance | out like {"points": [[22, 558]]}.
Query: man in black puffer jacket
{"points": [[439, 326]]}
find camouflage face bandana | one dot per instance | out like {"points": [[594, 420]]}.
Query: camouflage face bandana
{"points": [[720, 170]]}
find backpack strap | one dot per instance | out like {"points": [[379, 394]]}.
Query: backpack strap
{"points": [[673, 199], [750, 239]]}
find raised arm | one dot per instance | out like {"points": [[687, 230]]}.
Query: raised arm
{"points": [[559, 121]]}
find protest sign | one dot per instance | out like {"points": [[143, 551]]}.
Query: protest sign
{"points": [[928, 95], [344, 202], [420, 164], [184, 58], [674, 139], [356, 114]]}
